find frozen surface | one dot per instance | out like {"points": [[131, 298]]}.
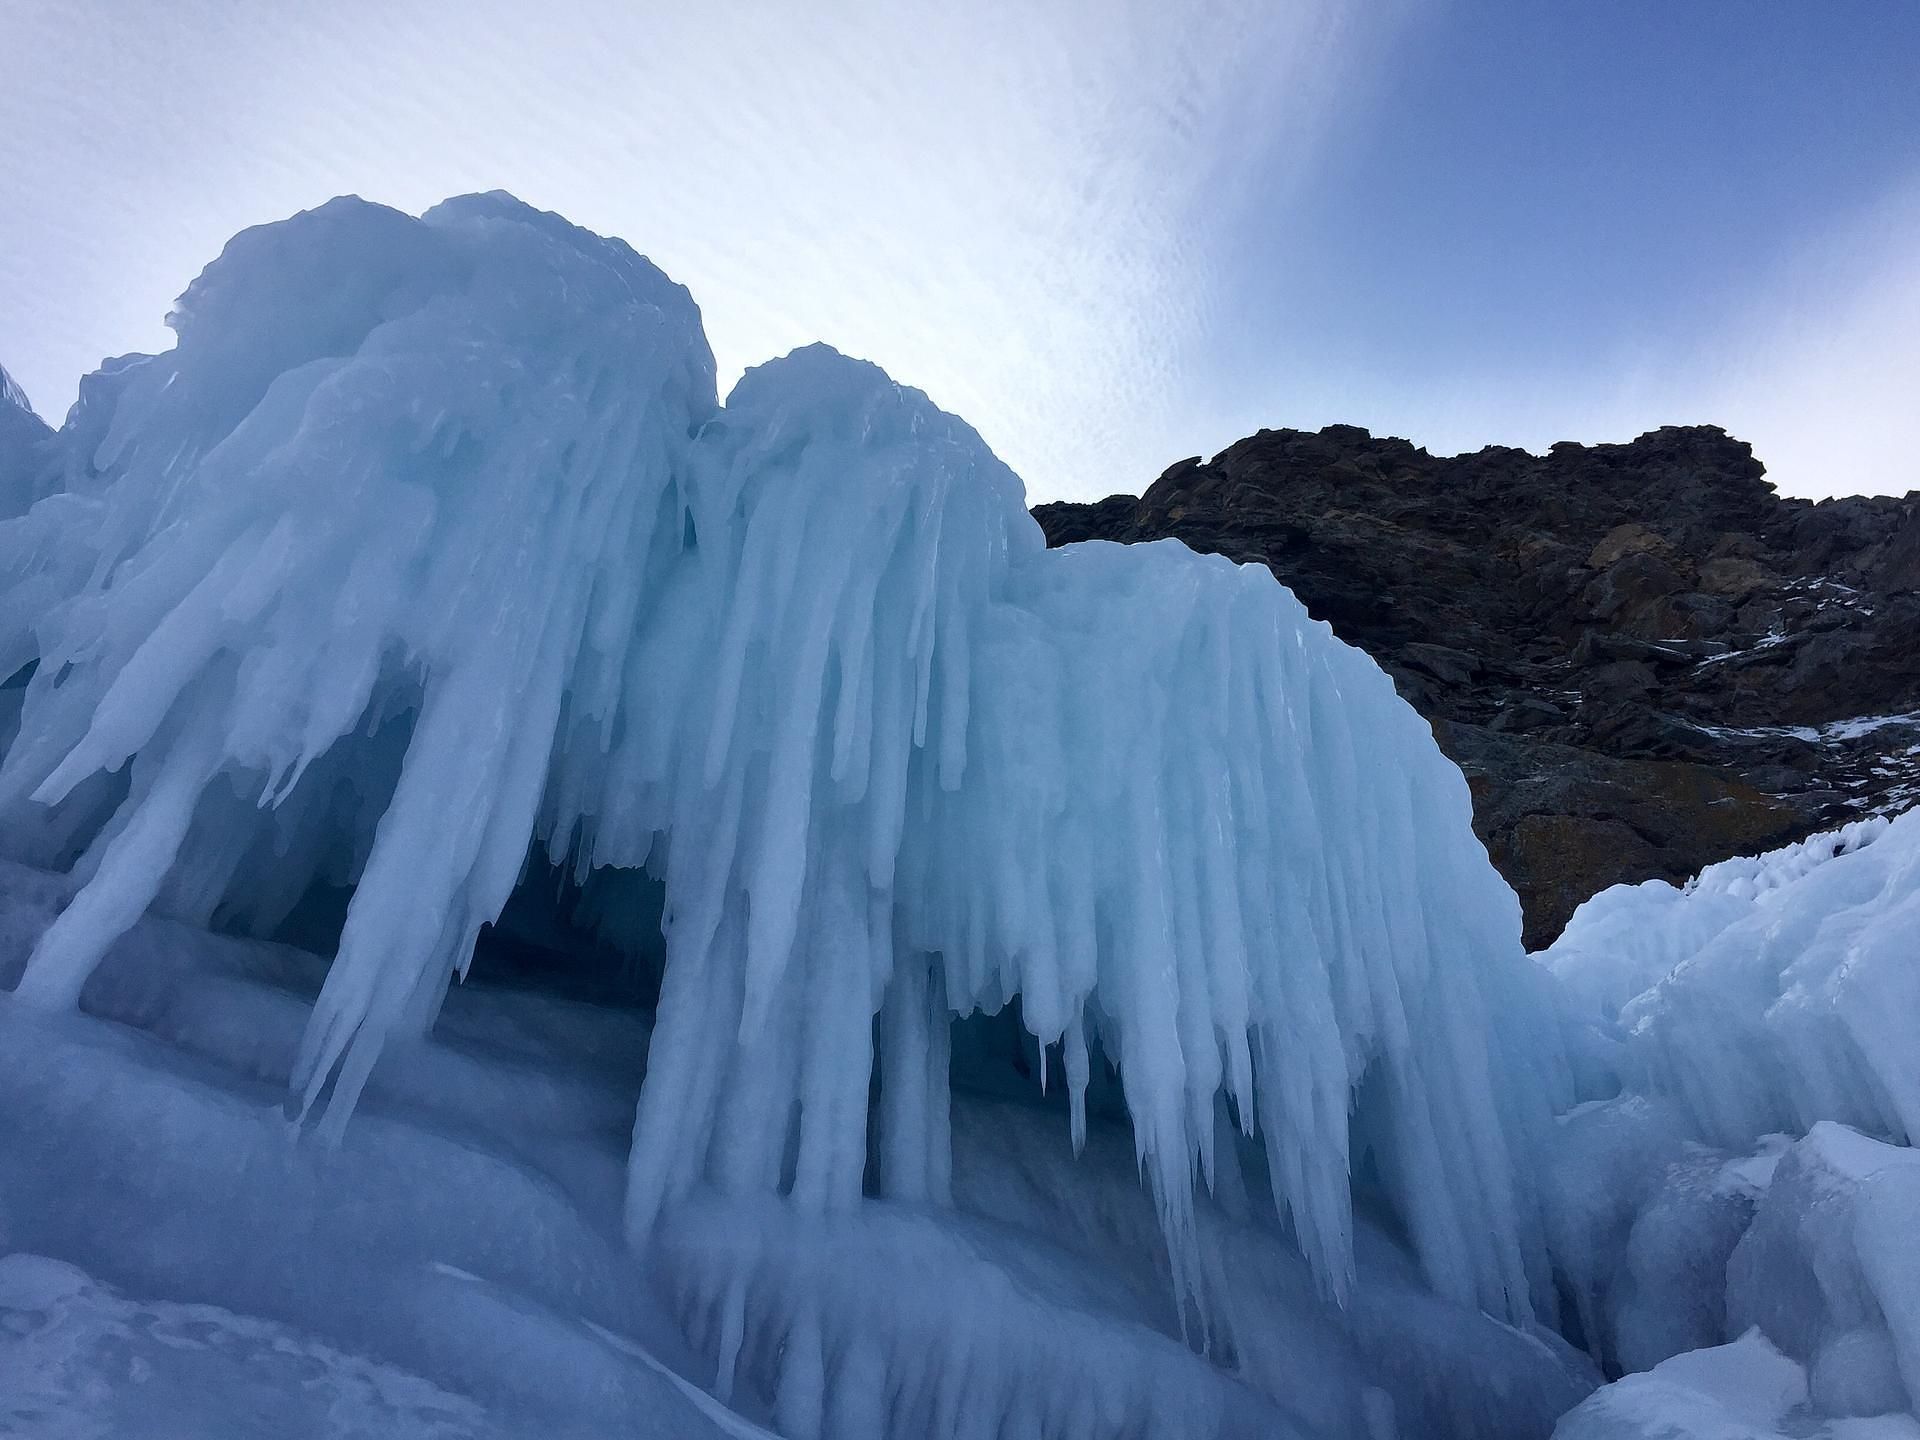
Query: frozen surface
{"points": [[80, 1361], [466, 1231]]}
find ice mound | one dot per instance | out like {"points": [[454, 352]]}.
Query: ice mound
{"points": [[1830, 1270], [1719, 1226], [1823, 1291], [1775, 992]]}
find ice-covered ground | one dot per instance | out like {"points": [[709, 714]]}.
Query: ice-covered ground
{"points": [[79, 1361], [919, 983], [461, 1245]]}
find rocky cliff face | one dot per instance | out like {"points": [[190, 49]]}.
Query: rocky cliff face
{"points": [[1642, 657]]}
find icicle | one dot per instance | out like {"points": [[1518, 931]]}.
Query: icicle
{"points": [[480, 564]]}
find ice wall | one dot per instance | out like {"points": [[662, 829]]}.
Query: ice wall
{"points": [[428, 542]]}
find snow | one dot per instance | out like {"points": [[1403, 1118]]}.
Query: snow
{"points": [[426, 570], [1742, 1391], [1834, 730]]}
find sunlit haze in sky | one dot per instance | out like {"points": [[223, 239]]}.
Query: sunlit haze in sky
{"points": [[1109, 234]]}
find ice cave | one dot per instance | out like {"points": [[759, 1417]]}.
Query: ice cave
{"points": [[538, 902]]}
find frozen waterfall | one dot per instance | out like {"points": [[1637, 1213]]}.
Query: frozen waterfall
{"points": [[429, 548]]}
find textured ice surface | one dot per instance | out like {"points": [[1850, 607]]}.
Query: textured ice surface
{"points": [[1830, 1270], [466, 1230], [78, 1361], [1823, 1290], [1627, 938], [1774, 992], [428, 541]]}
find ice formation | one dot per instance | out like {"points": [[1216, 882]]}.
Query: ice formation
{"points": [[428, 559], [382, 589], [932, 890], [1770, 993], [1823, 1304], [1738, 1223]]}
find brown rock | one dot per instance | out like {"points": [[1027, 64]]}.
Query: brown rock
{"points": [[1627, 587], [1624, 540], [1735, 577], [1629, 649]]}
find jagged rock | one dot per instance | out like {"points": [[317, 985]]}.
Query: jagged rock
{"points": [[1644, 659], [1625, 540], [1735, 577]]}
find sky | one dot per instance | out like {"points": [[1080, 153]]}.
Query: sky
{"points": [[1110, 234]]}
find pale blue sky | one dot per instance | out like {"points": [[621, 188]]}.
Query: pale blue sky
{"points": [[1109, 233]]}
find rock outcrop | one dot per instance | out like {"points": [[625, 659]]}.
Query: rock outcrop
{"points": [[1643, 658]]}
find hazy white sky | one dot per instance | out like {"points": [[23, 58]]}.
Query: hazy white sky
{"points": [[1110, 234]]}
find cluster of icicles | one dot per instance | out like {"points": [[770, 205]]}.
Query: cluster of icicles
{"points": [[429, 542]]}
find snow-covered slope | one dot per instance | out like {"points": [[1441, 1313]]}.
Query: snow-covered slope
{"points": [[428, 546]]}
